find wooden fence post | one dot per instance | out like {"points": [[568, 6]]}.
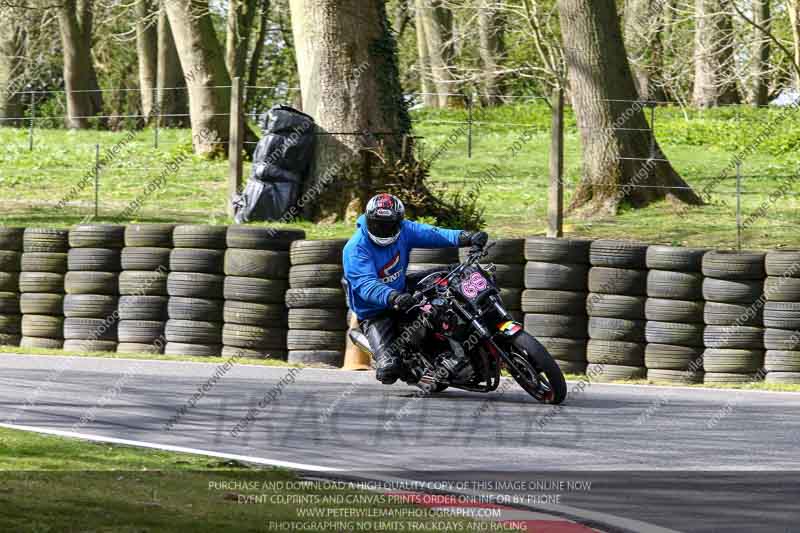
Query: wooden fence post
{"points": [[555, 194], [235, 143]]}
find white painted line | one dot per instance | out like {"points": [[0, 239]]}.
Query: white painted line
{"points": [[170, 448]]}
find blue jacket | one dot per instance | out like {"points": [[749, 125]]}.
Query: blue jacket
{"points": [[373, 271]]}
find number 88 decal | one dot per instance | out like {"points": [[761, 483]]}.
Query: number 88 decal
{"points": [[473, 285]]}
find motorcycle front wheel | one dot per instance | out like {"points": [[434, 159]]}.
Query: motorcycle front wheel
{"points": [[539, 373]]}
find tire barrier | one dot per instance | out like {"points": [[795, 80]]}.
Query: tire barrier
{"points": [[317, 306], [554, 299], [10, 266], [255, 324], [734, 335], [675, 317], [617, 283], [782, 317], [194, 286], [91, 314], [41, 286], [143, 300]]}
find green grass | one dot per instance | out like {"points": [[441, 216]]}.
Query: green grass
{"points": [[54, 484]]}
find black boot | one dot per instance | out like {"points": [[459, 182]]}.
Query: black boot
{"points": [[388, 369]]}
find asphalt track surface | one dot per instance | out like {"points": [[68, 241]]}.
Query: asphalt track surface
{"points": [[622, 458]]}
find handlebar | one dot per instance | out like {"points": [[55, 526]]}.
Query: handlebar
{"points": [[473, 256]]}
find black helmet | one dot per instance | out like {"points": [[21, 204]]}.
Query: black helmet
{"points": [[385, 214]]}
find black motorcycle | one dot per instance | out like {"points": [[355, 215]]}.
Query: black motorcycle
{"points": [[460, 335]]}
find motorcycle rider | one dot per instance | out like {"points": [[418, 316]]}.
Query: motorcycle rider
{"points": [[375, 262]]}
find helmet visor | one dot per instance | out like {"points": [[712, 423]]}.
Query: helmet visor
{"points": [[383, 229]]}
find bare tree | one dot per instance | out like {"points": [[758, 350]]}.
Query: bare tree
{"points": [[147, 51], [491, 27], [714, 80], [75, 19], [761, 51], [172, 96], [793, 8], [241, 16], [11, 67], [436, 22], [644, 31]]}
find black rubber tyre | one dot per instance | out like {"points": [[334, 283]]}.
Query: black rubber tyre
{"points": [[193, 332], [97, 236], [195, 309], [674, 258], [311, 276], [44, 262], [674, 285], [677, 333], [503, 251], [89, 305], [267, 291], [198, 236], [721, 378], [782, 315], [45, 240], [565, 326], [722, 314], [315, 299], [565, 349], [781, 339], [257, 263], [10, 340], [671, 357], [509, 276], [248, 353], [732, 291], [91, 283], [783, 263], [140, 347], [628, 282], [9, 303], [779, 289], [303, 339], [732, 360], [615, 306], [677, 377], [571, 367], [143, 308], [553, 302], [782, 361], [616, 329], [145, 259], [602, 373], [143, 283], [193, 350], [89, 345], [736, 337], [43, 326], [618, 254], [317, 358], [259, 238], [149, 235], [41, 303], [615, 352], [324, 319], [11, 324], [93, 260], [552, 276], [206, 261], [10, 261], [444, 256], [39, 342], [547, 250], [663, 310], [783, 377], [532, 359], [731, 265], [140, 331], [414, 268], [254, 314], [41, 282], [253, 337], [317, 252], [11, 239], [104, 329], [512, 299], [193, 285], [9, 281]]}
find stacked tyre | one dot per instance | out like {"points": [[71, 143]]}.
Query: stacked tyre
{"points": [[674, 312], [10, 262], [424, 259], [615, 305], [782, 317], [90, 306], [143, 288], [734, 334], [508, 257], [554, 300], [256, 269], [317, 304], [195, 288]]}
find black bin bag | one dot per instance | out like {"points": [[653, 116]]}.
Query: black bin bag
{"points": [[280, 165]]}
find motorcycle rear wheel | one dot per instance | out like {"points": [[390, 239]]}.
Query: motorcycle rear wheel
{"points": [[537, 366]]}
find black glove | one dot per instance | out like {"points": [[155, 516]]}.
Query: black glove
{"points": [[477, 239], [401, 301]]}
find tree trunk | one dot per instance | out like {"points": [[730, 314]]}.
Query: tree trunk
{"points": [[207, 79], [437, 22], [401, 19], [147, 50], [80, 78], [11, 80], [172, 96], [617, 155], [761, 51], [241, 14], [793, 8], [644, 29], [258, 52], [424, 60], [347, 61], [714, 81], [490, 29]]}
